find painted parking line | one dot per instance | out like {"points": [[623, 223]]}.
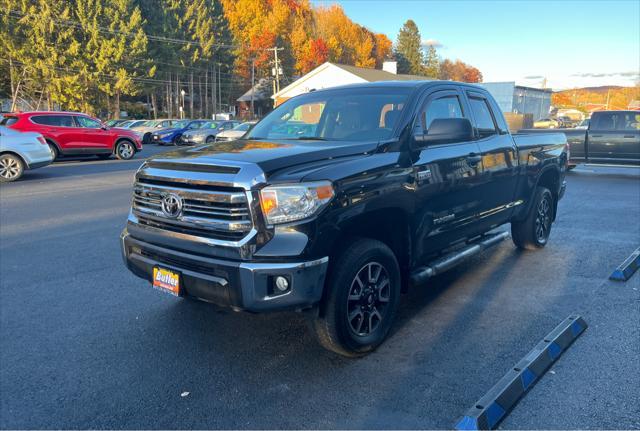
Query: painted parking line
{"points": [[627, 268], [493, 407]]}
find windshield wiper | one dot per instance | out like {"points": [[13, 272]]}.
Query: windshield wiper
{"points": [[309, 138]]}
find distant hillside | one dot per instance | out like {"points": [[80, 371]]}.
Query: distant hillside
{"points": [[590, 98]]}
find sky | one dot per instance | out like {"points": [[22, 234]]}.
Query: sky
{"points": [[568, 43]]}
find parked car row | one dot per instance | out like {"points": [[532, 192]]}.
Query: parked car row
{"points": [[33, 139], [71, 133]]}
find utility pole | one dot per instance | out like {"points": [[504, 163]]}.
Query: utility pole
{"points": [[220, 86], [253, 84], [276, 71], [214, 91]]}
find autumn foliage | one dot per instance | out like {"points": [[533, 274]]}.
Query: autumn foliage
{"points": [[596, 98], [310, 36], [459, 71]]}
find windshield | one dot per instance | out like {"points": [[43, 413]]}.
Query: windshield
{"points": [[356, 114], [243, 127], [180, 124], [210, 125]]}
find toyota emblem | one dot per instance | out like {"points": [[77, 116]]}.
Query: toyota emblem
{"points": [[171, 205]]}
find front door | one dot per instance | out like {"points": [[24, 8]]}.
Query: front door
{"points": [[446, 179], [93, 137]]}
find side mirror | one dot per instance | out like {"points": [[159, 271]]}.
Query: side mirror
{"points": [[446, 131]]}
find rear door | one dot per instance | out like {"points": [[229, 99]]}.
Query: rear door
{"points": [[447, 178], [60, 128], [499, 160], [92, 136], [613, 137]]}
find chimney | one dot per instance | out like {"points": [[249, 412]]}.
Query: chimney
{"points": [[390, 66]]}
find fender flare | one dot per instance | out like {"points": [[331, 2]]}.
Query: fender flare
{"points": [[527, 206], [121, 139], [53, 142]]}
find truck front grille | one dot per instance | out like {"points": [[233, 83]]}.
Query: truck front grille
{"points": [[207, 211]]}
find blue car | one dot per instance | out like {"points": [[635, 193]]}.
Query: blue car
{"points": [[171, 135]]}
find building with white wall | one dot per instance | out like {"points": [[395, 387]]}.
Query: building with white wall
{"points": [[330, 75]]}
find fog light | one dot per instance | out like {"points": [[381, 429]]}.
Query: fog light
{"points": [[282, 284]]}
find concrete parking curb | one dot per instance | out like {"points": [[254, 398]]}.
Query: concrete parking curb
{"points": [[627, 268], [504, 395]]}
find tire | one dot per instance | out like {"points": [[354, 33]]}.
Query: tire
{"points": [[11, 168], [54, 151], [210, 140], [372, 303], [571, 167], [533, 232], [125, 150]]}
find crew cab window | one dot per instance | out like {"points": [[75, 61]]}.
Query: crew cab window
{"points": [[88, 123], [627, 121], [630, 121], [443, 107], [482, 115]]}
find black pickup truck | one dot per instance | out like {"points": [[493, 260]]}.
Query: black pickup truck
{"points": [[612, 137], [339, 200]]}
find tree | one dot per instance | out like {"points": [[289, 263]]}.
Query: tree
{"points": [[409, 50], [459, 71], [432, 63], [317, 52], [113, 49], [383, 49]]}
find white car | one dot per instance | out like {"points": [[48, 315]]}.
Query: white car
{"points": [[235, 133], [21, 151]]}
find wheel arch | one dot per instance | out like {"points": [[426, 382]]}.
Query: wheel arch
{"points": [[389, 226], [53, 142], [124, 139], [18, 155], [550, 178]]}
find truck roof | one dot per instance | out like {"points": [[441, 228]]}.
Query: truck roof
{"points": [[401, 84]]}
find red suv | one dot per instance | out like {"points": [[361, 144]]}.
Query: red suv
{"points": [[70, 133]]}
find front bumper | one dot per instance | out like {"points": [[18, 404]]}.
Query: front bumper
{"points": [[190, 140], [167, 140], [240, 285]]}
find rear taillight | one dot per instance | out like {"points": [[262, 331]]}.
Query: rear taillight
{"points": [[42, 140]]}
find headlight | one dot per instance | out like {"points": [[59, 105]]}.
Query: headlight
{"points": [[291, 202]]}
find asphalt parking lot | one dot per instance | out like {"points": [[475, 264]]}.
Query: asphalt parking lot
{"points": [[85, 344]]}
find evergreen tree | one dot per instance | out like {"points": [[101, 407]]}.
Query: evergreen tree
{"points": [[409, 50], [432, 63]]}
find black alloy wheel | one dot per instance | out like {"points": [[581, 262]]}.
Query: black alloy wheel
{"points": [[368, 299]]}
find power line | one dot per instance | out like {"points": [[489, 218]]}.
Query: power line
{"points": [[138, 79], [77, 24]]}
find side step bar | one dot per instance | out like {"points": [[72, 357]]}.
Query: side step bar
{"points": [[452, 259]]}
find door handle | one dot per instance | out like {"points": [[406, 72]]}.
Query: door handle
{"points": [[596, 136], [473, 159], [629, 136]]}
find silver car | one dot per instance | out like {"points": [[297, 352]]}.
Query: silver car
{"points": [[207, 133], [21, 151], [235, 133]]}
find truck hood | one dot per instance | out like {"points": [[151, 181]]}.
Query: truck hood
{"points": [[270, 156]]}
